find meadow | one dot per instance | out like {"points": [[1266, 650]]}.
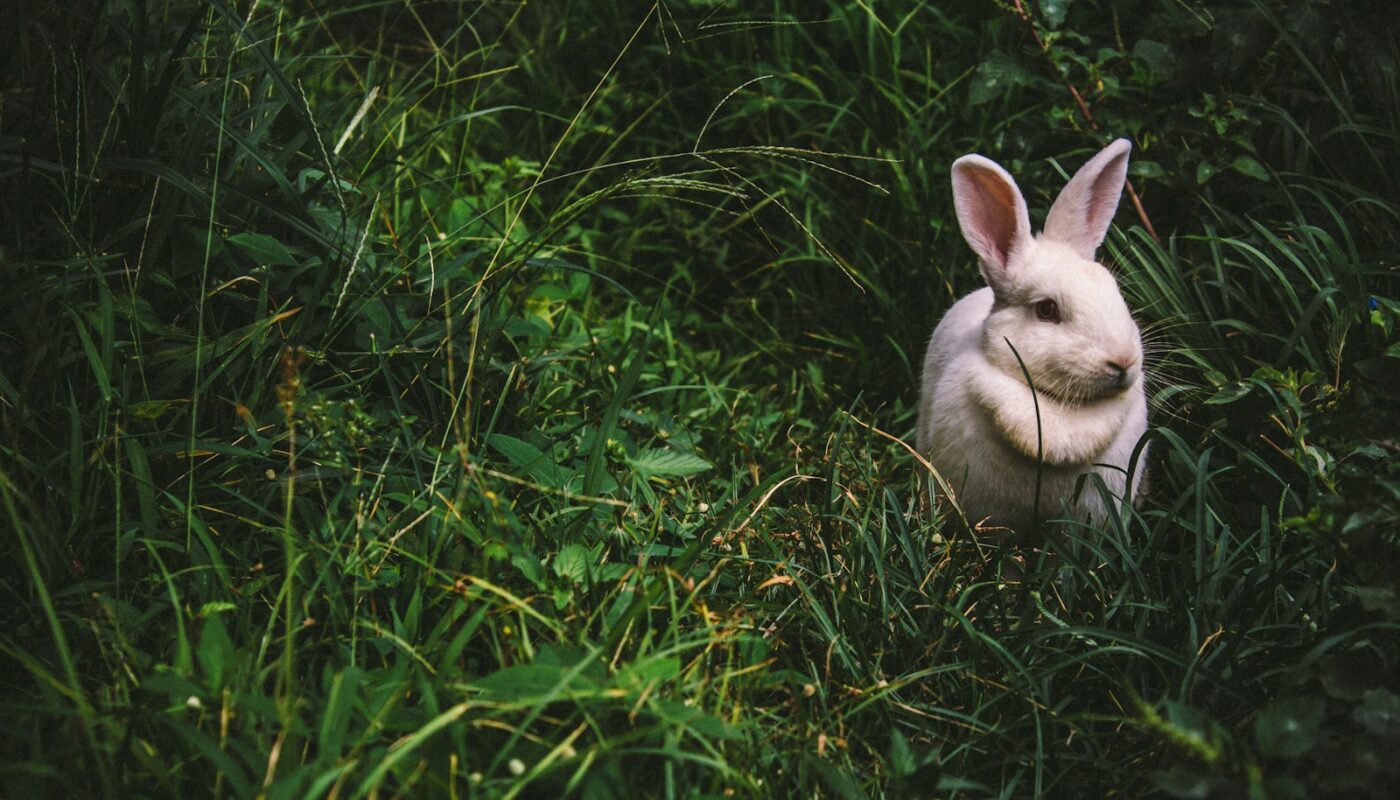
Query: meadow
{"points": [[504, 399]]}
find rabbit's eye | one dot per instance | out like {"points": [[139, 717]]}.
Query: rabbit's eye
{"points": [[1047, 311]]}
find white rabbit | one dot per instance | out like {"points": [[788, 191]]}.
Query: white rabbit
{"points": [[1064, 315]]}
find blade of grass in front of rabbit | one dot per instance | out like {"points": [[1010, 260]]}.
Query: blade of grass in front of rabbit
{"points": [[1039, 441]]}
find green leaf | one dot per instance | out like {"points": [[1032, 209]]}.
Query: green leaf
{"points": [[154, 409], [1248, 166], [531, 681], [561, 655], [1054, 11], [521, 680], [539, 464], [1229, 393], [1378, 598], [595, 471], [99, 368], [573, 658], [1186, 719], [1287, 728], [651, 669], [144, 482], [1379, 712], [336, 717], [668, 463], [1146, 169], [174, 687], [901, 758], [263, 249], [1204, 172], [215, 607], [529, 566], [518, 451], [215, 651], [1156, 56], [1188, 784], [837, 783], [574, 562], [998, 74], [712, 727]]}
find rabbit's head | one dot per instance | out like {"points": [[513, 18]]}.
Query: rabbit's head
{"points": [[1059, 308]]}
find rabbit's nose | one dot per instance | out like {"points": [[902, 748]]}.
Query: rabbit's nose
{"points": [[1117, 372]]}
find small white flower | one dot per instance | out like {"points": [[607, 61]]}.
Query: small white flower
{"points": [[194, 702], [516, 766]]}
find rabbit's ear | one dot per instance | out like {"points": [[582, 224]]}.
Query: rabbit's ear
{"points": [[1082, 212], [992, 215]]}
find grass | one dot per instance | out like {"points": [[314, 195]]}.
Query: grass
{"points": [[499, 400]]}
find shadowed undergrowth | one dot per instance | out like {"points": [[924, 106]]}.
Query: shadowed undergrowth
{"points": [[467, 400]]}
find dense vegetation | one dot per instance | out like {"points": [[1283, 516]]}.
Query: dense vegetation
{"points": [[456, 399]]}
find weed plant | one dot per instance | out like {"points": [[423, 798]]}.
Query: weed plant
{"points": [[455, 399]]}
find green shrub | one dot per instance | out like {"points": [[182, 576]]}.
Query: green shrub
{"points": [[453, 399]]}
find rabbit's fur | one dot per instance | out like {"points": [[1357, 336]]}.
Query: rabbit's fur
{"points": [[977, 418]]}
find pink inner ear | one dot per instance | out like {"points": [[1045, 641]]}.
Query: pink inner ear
{"points": [[1104, 195], [1082, 213], [995, 213], [991, 213]]}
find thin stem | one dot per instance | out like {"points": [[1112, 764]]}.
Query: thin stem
{"points": [[1088, 115]]}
